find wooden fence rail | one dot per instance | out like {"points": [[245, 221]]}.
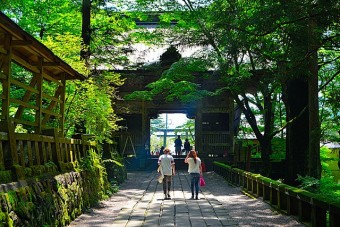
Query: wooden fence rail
{"points": [[307, 207], [24, 151]]}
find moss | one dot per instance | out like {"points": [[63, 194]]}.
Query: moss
{"points": [[12, 199], [28, 172], [19, 172], [5, 220], [25, 209], [56, 201], [38, 170], [66, 167], [6, 176]]}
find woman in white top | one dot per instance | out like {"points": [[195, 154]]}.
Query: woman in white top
{"points": [[195, 169]]}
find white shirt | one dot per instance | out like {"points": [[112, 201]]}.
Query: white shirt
{"points": [[166, 161], [194, 167]]}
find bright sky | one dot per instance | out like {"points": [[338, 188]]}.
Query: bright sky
{"points": [[174, 120]]}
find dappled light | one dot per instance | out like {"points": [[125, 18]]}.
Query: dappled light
{"points": [[219, 204], [95, 96]]}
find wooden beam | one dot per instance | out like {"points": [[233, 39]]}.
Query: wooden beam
{"points": [[24, 62], [21, 43], [24, 104], [38, 113], [51, 113], [26, 87], [3, 50], [48, 77], [53, 103], [2, 76], [62, 106], [50, 64], [53, 98], [20, 121], [6, 83], [26, 97]]}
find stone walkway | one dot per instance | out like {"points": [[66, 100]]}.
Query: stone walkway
{"points": [[139, 202]]}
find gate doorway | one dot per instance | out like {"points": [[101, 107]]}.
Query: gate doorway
{"points": [[166, 128]]}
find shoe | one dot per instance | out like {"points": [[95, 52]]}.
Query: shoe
{"points": [[196, 197], [169, 197], [192, 197], [165, 196]]}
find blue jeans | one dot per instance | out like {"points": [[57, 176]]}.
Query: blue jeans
{"points": [[195, 177]]}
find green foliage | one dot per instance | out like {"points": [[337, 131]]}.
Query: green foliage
{"points": [[279, 149], [325, 187], [90, 102], [115, 168], [330, 90], [177, 83], [5, 176], [58, 43], [93, 165], [189, 128]]}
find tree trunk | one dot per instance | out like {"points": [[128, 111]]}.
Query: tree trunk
{"points": [[303, 134], [314, 164], [266, 149], [298, 131], [86, 30]]}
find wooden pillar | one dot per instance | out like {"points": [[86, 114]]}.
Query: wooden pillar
{"points": [[198, 133], [62, 106], [38, 113], [145, 129], [231, 128], [7, 125], [6, 78]]}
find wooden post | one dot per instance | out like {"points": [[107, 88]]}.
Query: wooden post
{"points": [[55, 149], [6, 78], [6, 123], [84, 141], [62, 106], [38, 113]]}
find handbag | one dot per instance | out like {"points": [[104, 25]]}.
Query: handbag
{"points": [[160, 174], [202, 181], [160, 178]]}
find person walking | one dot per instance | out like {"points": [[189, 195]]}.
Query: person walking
{"points": [[195, 170], [178, 146], [167, 164]]}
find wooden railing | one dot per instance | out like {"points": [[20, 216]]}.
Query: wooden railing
{"points": [[307, 207], [22, 151]]}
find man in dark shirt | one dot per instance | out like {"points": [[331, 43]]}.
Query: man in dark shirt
{"points": [[178, 145]]}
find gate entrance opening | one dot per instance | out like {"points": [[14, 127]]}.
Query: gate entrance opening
{"points": [[166, 128]]}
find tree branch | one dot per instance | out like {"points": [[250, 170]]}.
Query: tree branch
{"points": [[328, 81]]}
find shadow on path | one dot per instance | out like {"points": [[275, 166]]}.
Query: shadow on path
{"points": [[140, 202]]}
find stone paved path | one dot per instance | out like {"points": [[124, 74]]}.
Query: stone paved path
{"points": [[140, 203]]}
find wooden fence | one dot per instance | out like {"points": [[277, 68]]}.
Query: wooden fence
{"points": [[22, 151], [307, 207]]}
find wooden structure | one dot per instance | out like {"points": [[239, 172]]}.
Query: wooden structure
{"points": [[38, 65], [17, 46], [213, 117], [309, 208]]}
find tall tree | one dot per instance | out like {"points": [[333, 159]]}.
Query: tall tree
{"points": [[86, 30], [280, 38]]}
